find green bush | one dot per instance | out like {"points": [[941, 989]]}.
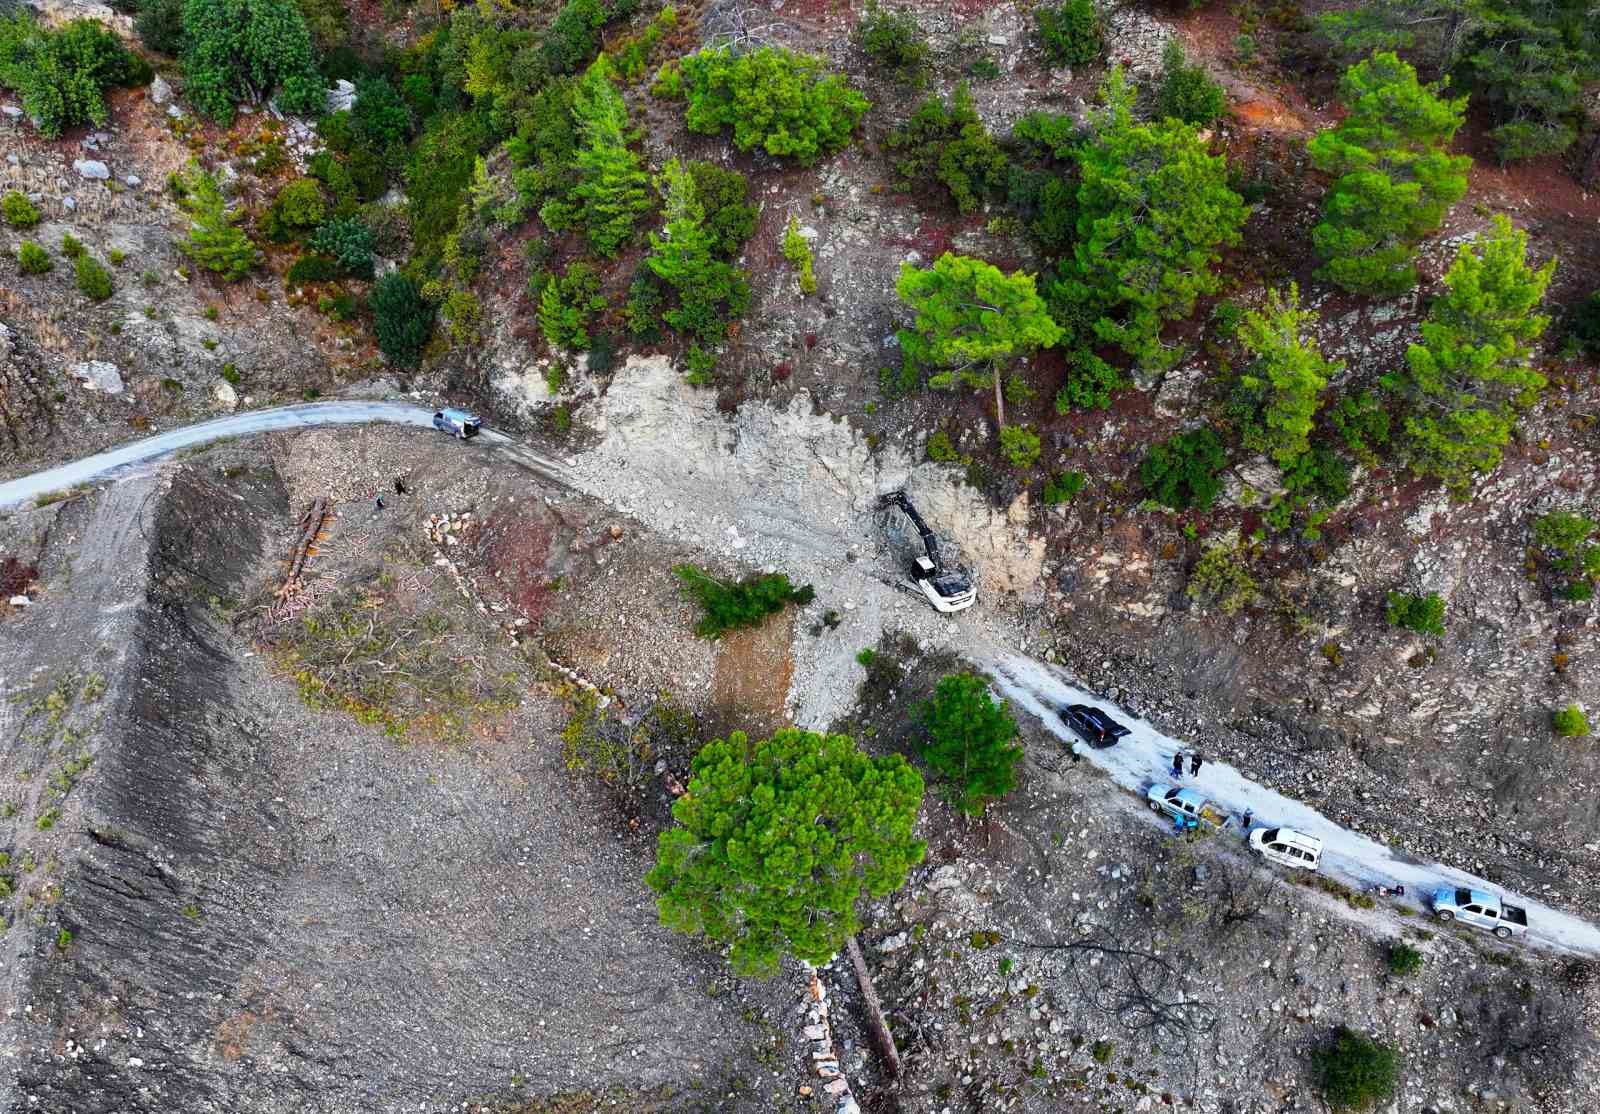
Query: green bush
{"points": [[62, 74], [1353, 1071], [440, 171], [947, 144], [1090, 381], [71, 246], [1570, 722], [701, 367], [1061, 487], [710, 291], [1020, 445], [159, 26], [1187, 92], [894, 38], [1423, 614], [1318, 474], [1222, 578], [747, 603], [348, 241], [380, 117], [1584, 324], [797, 250], [574, 36], [1069, 32], [1404, 960], [311, 268], [610, 193], [18, 211], [1363, 424], [1185, 471], [724, 196], [93, 280], [32, 258], [296, 211], [568, 304], [235, 50], [782, 102], [402, 320]]}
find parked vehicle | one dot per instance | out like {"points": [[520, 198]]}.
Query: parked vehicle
{"points": [[457, 423], [1287, 847], [1092, 725], [949, 588], [1186, 804], [1481, 910]]}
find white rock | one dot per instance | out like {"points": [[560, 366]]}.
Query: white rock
{"points": [[342, 97], [93, 169], [21, 601], [160, 91], [224, 395], [12, 111], [134, 180], [98, 375]]}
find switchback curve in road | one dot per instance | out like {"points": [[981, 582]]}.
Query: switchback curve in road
{"points": [[302, 416]]}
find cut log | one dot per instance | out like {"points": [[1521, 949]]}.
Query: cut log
{"points": [[875, 1023]]}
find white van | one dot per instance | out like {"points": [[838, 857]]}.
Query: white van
{"points": [[1287, 847]]}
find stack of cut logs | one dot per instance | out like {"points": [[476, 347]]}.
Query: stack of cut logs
{"points": [[311, 524]]}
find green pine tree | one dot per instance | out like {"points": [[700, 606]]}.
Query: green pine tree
{"points": [[972, 321], [612, 191], [1285, 378], [235, 50], [969, 742], [711, 291], [1153, 208], [1395, 181], [215, 242], [777, 841], [1472, 372]]}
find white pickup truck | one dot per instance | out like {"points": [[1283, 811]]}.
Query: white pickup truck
{"points": [[1479, 909]]}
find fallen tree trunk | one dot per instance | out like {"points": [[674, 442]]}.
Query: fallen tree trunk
{"points": [[875, 1022]]}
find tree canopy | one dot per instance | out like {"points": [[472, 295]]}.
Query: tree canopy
{"points": [[968, 742], [612, 191], [972, 320], [1285, 378], [236, 50], [777, 841]]}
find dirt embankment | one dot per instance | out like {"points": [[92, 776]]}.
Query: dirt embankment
{"points": [[228, 901]]}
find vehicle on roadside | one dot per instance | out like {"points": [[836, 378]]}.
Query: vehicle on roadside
{"points": [[457, 423], [1186, 804], [1287, 847], [1479, 909], [946, 586], [1092, 725]]}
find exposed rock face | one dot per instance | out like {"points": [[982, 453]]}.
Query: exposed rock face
{"points": [[98, 375]]}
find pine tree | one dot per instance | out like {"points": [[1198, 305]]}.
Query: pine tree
{"points": [[778, 840], [1472, 372], [972, 320], [1153, 208], [969, 742], [710, 290], [215, 242], [612, 189], [1286, 377], [1395, 181], [236, 50]]}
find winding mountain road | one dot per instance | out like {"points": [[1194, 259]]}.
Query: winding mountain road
{"points": [[1138, 760], [304, 416]]}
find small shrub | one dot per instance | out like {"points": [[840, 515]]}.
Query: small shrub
{"points": [[33, 259], [1222, 578], [1423, 614], [1362, 423], [701, 368], [349, 241], [1570, 722], [295, 212], [1020, 445], [1184, 472], [230, 374], [1101, 1051], [1583, 327], [941, 450], [1187, 92], [62, 73], [1354, 1071], [1062, 486], [93, 280], [894, 38], [747, 603], [215, 242], [1404, 960], [797, 250], [18, 211], [724, 196], [311, 268], [1090, 381], [948, 145], [568, 304], [1069, 32], [159, 26], [402, 319]]}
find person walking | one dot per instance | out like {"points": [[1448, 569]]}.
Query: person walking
{"points": [[380, 502], [399, 486], [1195, 762], [1177, 764]]}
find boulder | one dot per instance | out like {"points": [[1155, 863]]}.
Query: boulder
{"points": [[225, 397], [342, 97], [160, 91], [97, 375], [92, 169]]}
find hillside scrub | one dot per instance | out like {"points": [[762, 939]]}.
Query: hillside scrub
{"points": [[62, 74], [237, 50], [745, 603], [946, 145]]}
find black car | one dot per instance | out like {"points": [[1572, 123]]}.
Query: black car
{"points": [[1092, 725]]}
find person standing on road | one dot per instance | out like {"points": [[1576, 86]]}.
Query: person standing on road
{"points": [[1177, 764], [380, 502], [1249, 814], [1194, 764]]}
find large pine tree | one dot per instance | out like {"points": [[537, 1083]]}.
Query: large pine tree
{"points": [[969, 742], [612, 191]]}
